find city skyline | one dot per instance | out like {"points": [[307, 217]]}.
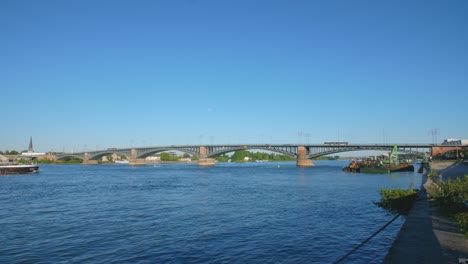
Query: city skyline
{"points": [[84, 75]]}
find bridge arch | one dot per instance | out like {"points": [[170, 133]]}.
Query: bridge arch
{"points": [[149, 152], [68, 156], [93, 155], [329, 151], [218, 152], [97, 156]]}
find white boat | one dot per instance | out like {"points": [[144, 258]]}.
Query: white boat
{"points": [[121, 161], [18, 168]]}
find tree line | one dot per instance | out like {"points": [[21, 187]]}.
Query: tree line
{"points": [[9, 152], [240, 155]]}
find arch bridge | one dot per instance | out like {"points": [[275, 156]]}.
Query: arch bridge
{"points": [[302, 153]]}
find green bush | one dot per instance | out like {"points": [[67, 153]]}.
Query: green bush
{"points": [[398, 200], [451, 196], [45, 161], [462, 220], [165, 156]]}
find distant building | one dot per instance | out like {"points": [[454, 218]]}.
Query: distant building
{"points": [[153, 158], [455, 142], [109, 158], [187, 159]]}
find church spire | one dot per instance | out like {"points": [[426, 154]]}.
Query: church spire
{"points": [[30, 148]]}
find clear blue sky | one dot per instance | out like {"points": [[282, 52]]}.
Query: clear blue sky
{"points": [[79, 75]]}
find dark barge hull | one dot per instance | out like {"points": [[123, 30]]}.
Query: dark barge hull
{"points": [[379, 169], [18, 169], [386, 169], [348, 169]]}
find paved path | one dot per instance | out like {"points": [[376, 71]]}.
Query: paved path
{"points": [[427, 236]]}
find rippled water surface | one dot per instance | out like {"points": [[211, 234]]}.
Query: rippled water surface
{"points": [[230, 213]]}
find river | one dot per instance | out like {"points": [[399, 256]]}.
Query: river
{"points": [[182, 213]]}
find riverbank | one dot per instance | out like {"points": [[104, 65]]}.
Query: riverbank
{"points": [[428, 236]]}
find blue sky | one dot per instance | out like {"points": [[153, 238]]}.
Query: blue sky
{"points": [[86, 75]]}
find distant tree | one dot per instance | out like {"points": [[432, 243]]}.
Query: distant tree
{"points": [[168, 157], [239, 155], [165, 156], [222, 158], [45, 161]]}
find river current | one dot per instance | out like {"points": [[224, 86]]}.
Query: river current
{"points": [[182, 213]]}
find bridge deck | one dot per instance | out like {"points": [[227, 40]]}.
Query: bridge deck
{"points": [[313, 150]]}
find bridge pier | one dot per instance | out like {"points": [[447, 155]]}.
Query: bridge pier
{"points": [[302, 160], [134, 161], [87, 161], [203, 161]]}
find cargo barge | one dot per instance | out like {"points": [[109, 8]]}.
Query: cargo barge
{"points": [[6, 169], [392, 164]]}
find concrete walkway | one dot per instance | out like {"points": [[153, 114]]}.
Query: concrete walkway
{"points": [[427, 236]]}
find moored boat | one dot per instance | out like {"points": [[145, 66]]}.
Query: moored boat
{"points": [[353, 167], [392, 164], [18, 168]]}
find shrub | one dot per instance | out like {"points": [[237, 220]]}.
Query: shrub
{"points": [[398, 200], [45, 161], [451, 196], [462, 220]]}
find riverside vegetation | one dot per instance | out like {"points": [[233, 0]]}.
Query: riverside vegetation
{"points": [[452, 198], [398, 201]]}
